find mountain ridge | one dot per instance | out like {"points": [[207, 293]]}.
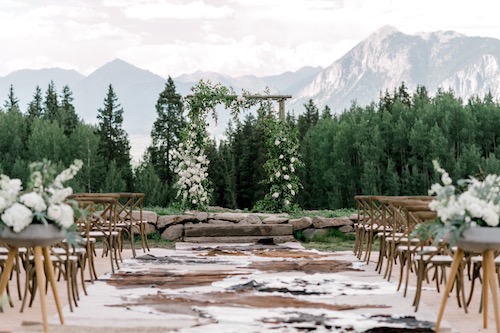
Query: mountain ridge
{"points": [[469, 66]]}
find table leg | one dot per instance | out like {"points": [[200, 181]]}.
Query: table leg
{"points": [[486, 275], [493, 286], [52, 280], [457, 259], [8, 269], [40, 278]]}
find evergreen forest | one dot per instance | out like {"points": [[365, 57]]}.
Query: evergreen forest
{"points": [[383, 148]]}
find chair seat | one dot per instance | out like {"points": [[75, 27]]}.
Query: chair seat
{"points": [[437, 259], [97, 233], [415, 248], [479, 259]]}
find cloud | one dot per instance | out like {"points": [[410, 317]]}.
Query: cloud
{"points": [[260, 37], [177, 10]]}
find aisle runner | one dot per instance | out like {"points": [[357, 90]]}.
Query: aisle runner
{"points": [[259, 288]]}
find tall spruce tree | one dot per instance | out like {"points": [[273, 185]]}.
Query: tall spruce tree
{"points": [[35, 107], [68, 114], [326, 113], [51, 110], [114, 144], [166, 132], [12, 102], [308, 119]]}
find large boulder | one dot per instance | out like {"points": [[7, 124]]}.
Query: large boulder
{"points": [[168, 220], [300, 224], [324, 222], [236, 230], [250, 219], [232, 217], [147, 215], [346, 229], [173, 232], [275, 220], [224, 222], [201, 217]]}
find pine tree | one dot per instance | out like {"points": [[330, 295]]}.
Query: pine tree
{"points": [[146, 181], [12, 102], [114, 144], [326, 113], [250, 156], [35, 107], [308, 119], [67, 111], [166, 132], [51, 104]]}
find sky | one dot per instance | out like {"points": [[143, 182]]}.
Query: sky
{"points": [[233, 37]]}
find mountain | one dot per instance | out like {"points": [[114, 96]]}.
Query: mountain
{"points": [[25, 82], [445, 59], [467, 65], [137, 91]]}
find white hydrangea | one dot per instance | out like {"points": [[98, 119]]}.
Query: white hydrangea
{"points": [[490, 216], [54, 212], [67, 216], [34, 201], [17, 216]]}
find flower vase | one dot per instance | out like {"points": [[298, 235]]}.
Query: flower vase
{"points": [[33, 235], [479, 239]]}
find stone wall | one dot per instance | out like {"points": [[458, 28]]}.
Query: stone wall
{"points": [[201, 224]]}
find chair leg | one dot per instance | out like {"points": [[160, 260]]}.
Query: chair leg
{"points": [[144, 237], [381, 240], [420, 279], [475, 275]]}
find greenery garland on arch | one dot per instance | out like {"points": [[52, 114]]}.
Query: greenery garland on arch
{"points": [[193, 186]]}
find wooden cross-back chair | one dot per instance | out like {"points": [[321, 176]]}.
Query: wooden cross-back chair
{"points": [[400, 229], [64, 264], [368, 224], [389, 224], [427, 255], [130, 218], [101, 220]]}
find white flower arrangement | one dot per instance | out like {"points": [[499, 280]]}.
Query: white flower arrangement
{"points": [[192, 167], [471, 203], [283, 159], [44, 201]]}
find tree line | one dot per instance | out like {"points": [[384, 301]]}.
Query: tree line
{"points": [[384, 148]]}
